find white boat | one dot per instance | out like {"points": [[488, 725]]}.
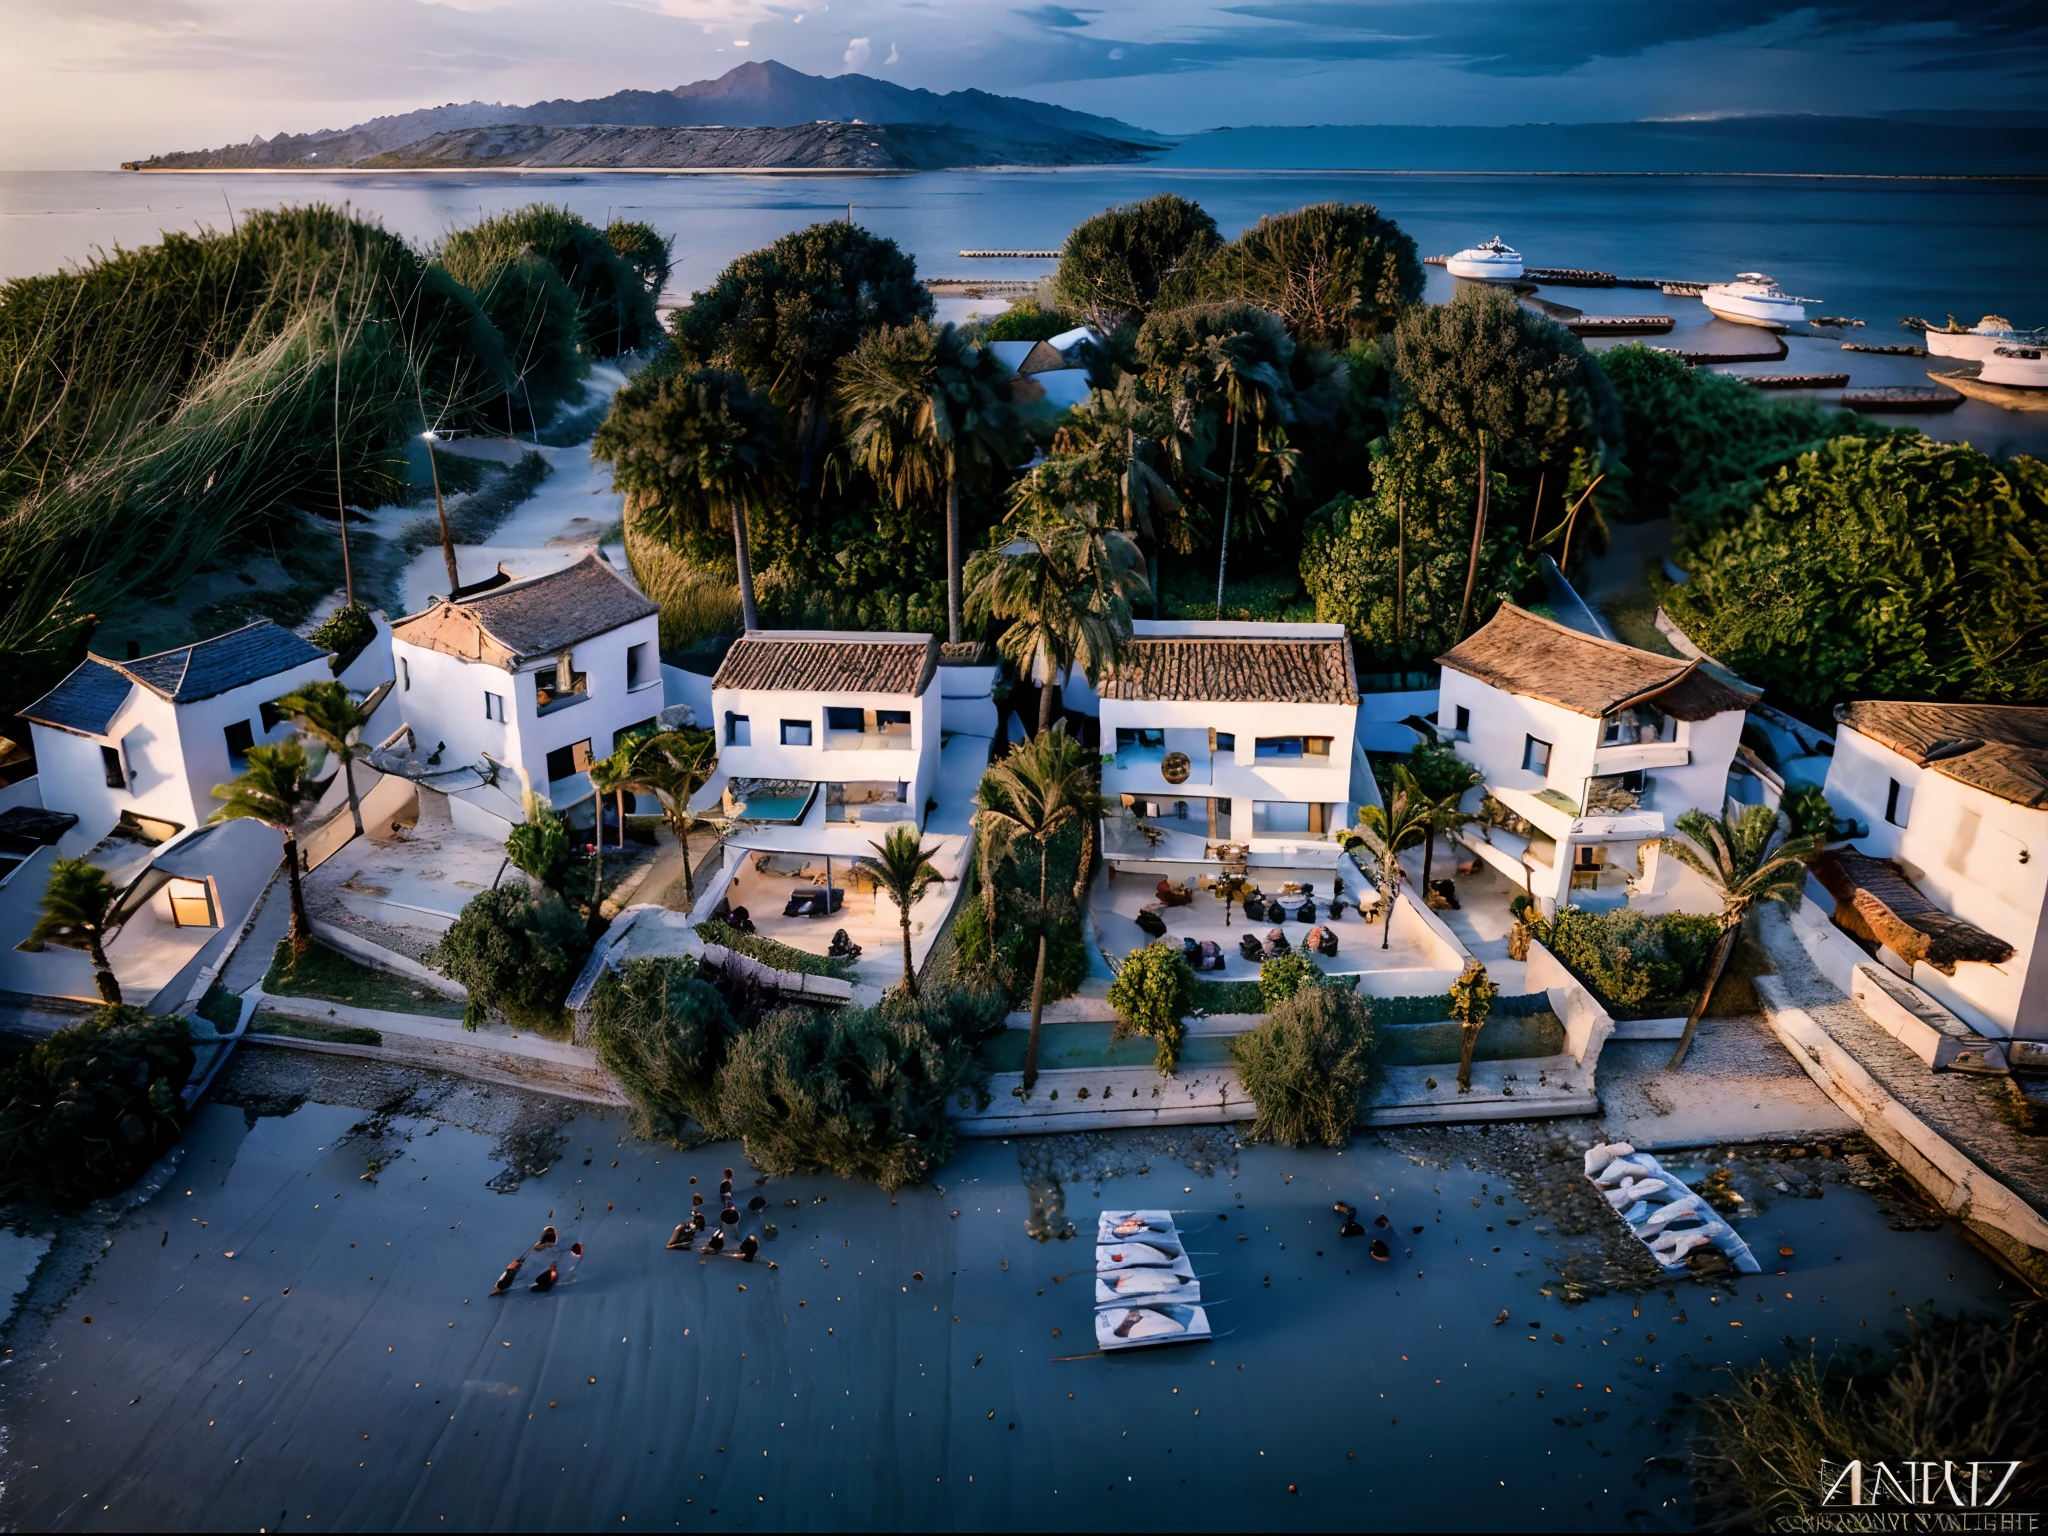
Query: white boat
{"points": [[1145, 1288], [1495, 261], [1664, 1215], [1753, 299], [1133, 1226], [1113, 1257], [1981, 339], [2016, 367], [1143, 1327]]}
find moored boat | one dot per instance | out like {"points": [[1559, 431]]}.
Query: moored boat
{"points": [[1980, 340], [1495, 261], [1754, 299], [1145, 1288], [1144, 1327], [2016, 367]]}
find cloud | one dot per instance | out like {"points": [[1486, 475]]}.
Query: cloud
{"points": [[857, 53], [892, 59]]}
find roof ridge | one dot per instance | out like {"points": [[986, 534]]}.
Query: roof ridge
{"points": [[1580, 634]]}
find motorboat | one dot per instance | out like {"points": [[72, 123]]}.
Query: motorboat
{"points": [[2016, 367], [1495, 261], [1132, 1226], [1143, 1327], [1981, 339], [1145, 1288], [1753, 299]]}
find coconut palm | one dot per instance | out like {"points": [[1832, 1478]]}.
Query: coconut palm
{"points": [[611, 775], [1247, 384], [996, 834], [924, 409], [672, 766], [1746, 859], [1120, 448], [325, 712], [1443, 812], [272, 789], [1385, 830], [904, 872], [692, 450], [1065, 582], [78, 908], [1045, 786]]}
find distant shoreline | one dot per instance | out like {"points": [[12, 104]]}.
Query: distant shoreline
{"points": [[1127, 167]]}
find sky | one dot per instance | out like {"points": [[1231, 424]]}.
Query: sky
{"points": [[87, 83]]}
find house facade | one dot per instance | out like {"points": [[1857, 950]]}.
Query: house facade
{"points": [[1591, 748], [538, 676], [1946, 876], [151, 737], [1231, 736]]}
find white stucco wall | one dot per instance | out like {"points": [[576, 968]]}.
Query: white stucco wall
{"points": [[1238, 774], [765, 756]]}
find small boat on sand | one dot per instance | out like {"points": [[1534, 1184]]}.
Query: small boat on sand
{"points": [[2016, 367], [1980, 340], [1145, 1288], [1144, 1327], [1133, 1226], [1495, 261], [1754, 299], [1114, 1258]]}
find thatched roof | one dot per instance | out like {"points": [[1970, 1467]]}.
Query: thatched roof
{"points": [[1518, 652], [1193, 669], [2001, 749], [829, 661], [1875, 901], [526, 620], [967, 653]]}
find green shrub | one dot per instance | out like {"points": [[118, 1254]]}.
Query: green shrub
{"points": [[782, 957], [861, 1092], [1284, 975], [347, 632], [87, 1110], [1639, 966], [1228, 996], [664, 1034], [267, 1023], [539, 847], [1016, 952], [1306, 1067], [1152, 995], [1806, 808], [517, 952]]}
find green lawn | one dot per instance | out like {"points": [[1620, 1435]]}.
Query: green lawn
{"points": [[332, 977]]}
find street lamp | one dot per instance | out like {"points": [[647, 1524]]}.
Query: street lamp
{"points": [[431, 437]]}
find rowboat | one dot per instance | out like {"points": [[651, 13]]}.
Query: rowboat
{"points": [[1148, 1327]]}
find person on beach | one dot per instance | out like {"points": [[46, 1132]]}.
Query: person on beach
{"points": [[547, 1239], [697, 1212], [575, 1261], [505, 1280], [749, 1246], [730, 1215], [717, 1242], [545, 1280], [680, 1239]]}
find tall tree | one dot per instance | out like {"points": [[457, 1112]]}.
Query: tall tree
{"points": [[1441, 807], [1384, 831], [1472, 996], [272, 789], [1745, 859], [327, 713], [1120, 448], [784, 316], [672, 766], [78, 908], [1044, 786], [1118, 265], [926, 409], [689, 450], [1336, 272], [903, 871]]}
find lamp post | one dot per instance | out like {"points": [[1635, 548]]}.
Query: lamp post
{"points": [[430, 437]]}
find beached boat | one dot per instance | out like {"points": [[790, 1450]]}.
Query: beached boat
{"points": [[1753, 299], [1145, 1288], [1146, 1327], [2016, 367], [1111, 1258], [1665, 1215], [1980, 340], [2012, 397], [1131, 1226], [1495, 261]]}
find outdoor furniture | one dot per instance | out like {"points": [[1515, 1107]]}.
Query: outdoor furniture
{"points": [[740, 920], [1305, 913], [1254, 907], [841, 947], [816, 902], [1211, 956], [1175, 895], [1276, 944], [1320, 940], [1251, 949], [1150, 923]]}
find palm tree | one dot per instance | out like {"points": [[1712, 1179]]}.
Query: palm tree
{"points": [[924, 408], [1445, 817], [1066, 584], [1249, 385], [904, 872], [78, 908], [996, 834], [271, 790], [672, 766], [325, 712], [1385, 831], [1746, 859], [1472, 996], [692, 450], [611, 775], [1121, 447], [1044, 786]]}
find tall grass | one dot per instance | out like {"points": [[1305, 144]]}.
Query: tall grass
{"points": [[697, 605]]}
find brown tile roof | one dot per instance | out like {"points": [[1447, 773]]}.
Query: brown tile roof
{"points": [[1519, 652], [1197, 669], [1875, 901], [2001, 749], [528, 619], [819, 661]]}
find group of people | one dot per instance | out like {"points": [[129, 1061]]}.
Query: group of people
{"points": [[548, 1278], [685, 1235]]}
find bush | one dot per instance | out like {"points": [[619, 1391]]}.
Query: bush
{"points": [[772, 951], [87, 1110], [539, 847], [1016, 951], [347, 632], [861, 1093], [1306, 1067], [1806, 808], [1639, 966], [517, 952], [1152, 995], [1284, 975], [665, 1035]]}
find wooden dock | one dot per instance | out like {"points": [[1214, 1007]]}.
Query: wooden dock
{"points": [[1796, 380], [1916, 398], [1010, 255], [2007, 395], [1618, 325], [1709, 359], [1902, 349]]}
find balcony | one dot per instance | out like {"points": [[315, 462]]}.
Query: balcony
{"points": [[1560, 817], [1162, 759], [848, 729], [1633, 757]]}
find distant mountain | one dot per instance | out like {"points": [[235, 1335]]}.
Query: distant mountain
{"points": [[991, 129]]}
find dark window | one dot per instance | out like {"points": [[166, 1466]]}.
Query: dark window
{"points": [[893, 721], [1892, 811], [841, 717], [1536, 756], [110, 765], [272, 718], [1464, 718], [566, 762], [645, 727], [404, 675], [494, 706], [240, 739], [641, 665], [1277, 746], [796, 733], [738, 732], [1226, 741]]}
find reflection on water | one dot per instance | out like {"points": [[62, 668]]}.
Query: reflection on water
{"points": [[905, 1364]]}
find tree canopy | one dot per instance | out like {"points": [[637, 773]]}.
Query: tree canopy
{"points": [[1125, 261], [1335, 272]]}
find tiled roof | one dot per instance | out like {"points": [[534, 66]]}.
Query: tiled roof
{"points": [[2001, 749], [1521, 653], [87, 699], [1234, 671], [526, 619], [815, 661]]}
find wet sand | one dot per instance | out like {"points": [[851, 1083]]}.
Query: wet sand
{"points": [[346, 1369]]}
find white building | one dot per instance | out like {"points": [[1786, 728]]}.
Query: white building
{"points": [[537, 676], [153, 736], [1232, 734], [1052, 371], [1947, 877], [1595, 748]]}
